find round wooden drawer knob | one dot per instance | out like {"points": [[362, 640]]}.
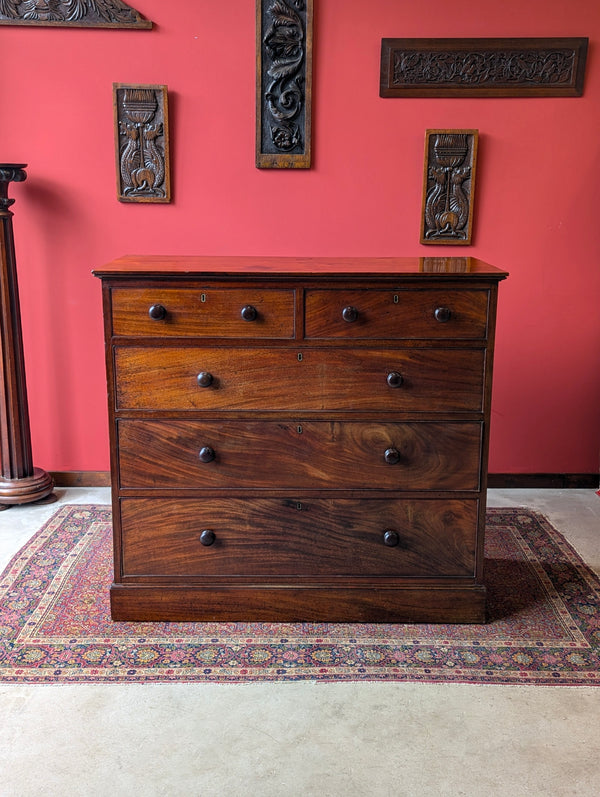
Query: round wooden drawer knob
{"points": [[391, 538], [249, 313], [157, 312], [206, 454], [205, 379], [207, 537], [442, 314], [350, 314], [392, 456], [394, 379]]}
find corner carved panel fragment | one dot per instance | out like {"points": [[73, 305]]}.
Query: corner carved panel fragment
{"points": [[142, 143], [283, 83], [483, 67], [77, 13], [448, 186]]}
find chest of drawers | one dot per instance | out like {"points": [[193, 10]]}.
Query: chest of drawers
{"points": [[299, 439]]}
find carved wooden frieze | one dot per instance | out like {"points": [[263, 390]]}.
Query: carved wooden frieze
{"points": [[482, 67], [283, 83], [79, 13], [142, 143], [448, 186]]}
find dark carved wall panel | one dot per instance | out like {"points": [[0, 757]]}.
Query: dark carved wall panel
{"points": [[80, 13], [142, 143], [482, 67], [283, 83], [448, 186]]}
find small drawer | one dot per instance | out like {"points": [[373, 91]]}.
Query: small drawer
{"points": [[298, 537], [297, 380], [214, 312], [299, 455], [396, 315]]}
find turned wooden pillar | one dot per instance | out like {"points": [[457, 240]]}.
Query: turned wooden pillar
{"points": [[20, 482]]}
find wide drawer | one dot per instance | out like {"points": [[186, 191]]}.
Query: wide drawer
{"points": [[291, 380], [299, 454], [213, 312], [408, 314], [268, 537]]}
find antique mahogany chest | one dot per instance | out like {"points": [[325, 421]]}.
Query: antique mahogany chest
{"points": [[299, 439]]}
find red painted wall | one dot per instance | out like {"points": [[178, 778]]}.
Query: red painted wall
{"points": [[536, 200]]}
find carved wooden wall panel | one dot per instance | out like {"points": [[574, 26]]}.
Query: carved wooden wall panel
{"points": [[482, 67], [448, 186], [79, 13], [142, 143], [283, 83]]}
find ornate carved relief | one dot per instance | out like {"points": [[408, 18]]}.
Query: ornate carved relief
{"points": [[142, 143], [283, 83], [482, 67], [448, 186], [80, 13]]}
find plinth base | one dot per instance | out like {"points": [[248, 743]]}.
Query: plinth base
{"points": [[26, 490]]}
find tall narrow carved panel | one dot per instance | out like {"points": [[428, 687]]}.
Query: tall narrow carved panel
{"points": [[71, 13], [142, 143], [448, 186], [283, 83], [483, 67]]}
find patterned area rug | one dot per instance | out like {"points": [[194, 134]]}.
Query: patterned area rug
{"points": [[55, 626]]}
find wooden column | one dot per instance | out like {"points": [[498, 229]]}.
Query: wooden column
{"points": [[20, 482]]}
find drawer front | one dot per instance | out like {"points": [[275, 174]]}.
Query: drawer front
{"points": [[223, 313], [409, 314], [299, 454], [267, 537], [290, 380]]}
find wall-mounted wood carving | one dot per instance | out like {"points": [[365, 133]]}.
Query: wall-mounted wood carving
{"points": [[448, 186], [142, 143], [283, 83], [78, 13], [482, 67]]}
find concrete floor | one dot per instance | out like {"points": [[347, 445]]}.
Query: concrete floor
{"points": [[304, 739]]}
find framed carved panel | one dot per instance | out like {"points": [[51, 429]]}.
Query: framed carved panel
{"points": [[482, 67], [284, 47], [448, 186], [71, 13], [142, 143]]}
